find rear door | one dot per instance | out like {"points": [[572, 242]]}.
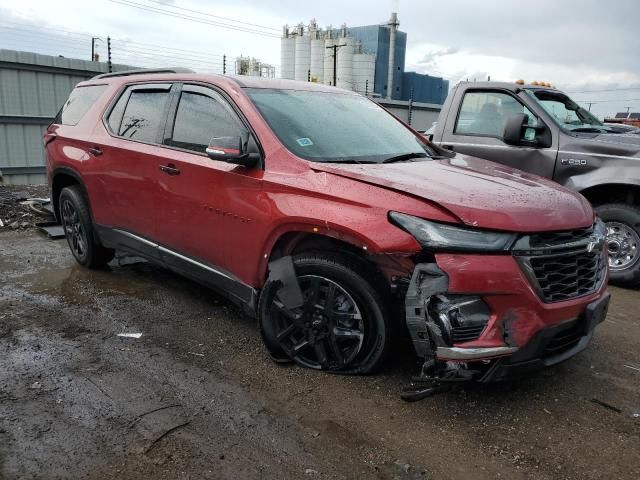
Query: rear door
{"points": [[478, 126], [129, 155]]}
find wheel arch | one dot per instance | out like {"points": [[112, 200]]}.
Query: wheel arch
{"points": [[65, 177], [293, 239], [612, 192]]}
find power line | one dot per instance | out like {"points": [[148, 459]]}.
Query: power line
{"points": [[609, 101], [213, 16], [606, 90], [192, 18]]}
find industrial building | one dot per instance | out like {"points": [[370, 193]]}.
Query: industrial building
{"points": [[254, 67], [367, 59]]}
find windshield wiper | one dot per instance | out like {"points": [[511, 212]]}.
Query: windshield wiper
{"points": [[404, 157]]}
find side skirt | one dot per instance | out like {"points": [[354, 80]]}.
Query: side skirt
{"points": [[211, 276]]}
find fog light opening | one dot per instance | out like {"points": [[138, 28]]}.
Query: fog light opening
{"points": [[461, 318]]}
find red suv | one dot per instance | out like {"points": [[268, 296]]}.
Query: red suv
{"points": [[330, 220]]}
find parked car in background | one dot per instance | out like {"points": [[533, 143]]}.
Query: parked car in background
{"points": [[325, 216], [541, 130]]}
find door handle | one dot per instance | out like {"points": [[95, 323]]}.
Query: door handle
{"points": [[170, 169], [95, 151]]}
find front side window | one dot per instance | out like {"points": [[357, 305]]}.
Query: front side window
{"points": [[487, 113], [78, 104], [199, 118], [143, 115], [335, 127]]}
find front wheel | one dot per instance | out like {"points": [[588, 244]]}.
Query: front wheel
{"points": [[623, 239], [341, 326]]}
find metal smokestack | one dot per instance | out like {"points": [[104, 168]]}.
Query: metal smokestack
{"points": [[393, 28]]}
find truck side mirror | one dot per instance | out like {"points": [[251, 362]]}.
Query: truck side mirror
{"points": [[240, 150], [517, 131]]}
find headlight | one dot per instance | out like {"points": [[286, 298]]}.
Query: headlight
{"points": [[449, 237]]}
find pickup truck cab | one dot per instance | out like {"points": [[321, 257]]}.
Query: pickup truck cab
{"points": [[540, 130]]}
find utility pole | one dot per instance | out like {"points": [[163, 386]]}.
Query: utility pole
{"points": [[590, 103], [335, 58], [109, 55], [410, 115], [224, 64], [628, 108]]}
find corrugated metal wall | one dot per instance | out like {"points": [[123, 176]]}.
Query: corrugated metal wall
{"points": [[32, 89]]}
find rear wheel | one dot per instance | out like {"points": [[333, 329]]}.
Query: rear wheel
{"points": [[623, 239], [341, 327], [78, 229]]}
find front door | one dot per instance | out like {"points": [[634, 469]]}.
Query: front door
{"points": [[478, 127], [207, 208]]}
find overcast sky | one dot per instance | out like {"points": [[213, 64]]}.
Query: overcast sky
{"points": [[578, 45]]}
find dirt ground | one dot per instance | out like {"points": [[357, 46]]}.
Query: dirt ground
{"points": [[196, 396]]}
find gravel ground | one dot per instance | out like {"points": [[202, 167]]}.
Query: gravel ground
{"points": [[196, 396]]}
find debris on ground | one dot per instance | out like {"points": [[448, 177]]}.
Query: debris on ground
{"points": [[23, 206], [130, 335], [606, 405]]}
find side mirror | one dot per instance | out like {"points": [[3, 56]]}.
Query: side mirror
{"points": [[517, 131], [240, 150]]}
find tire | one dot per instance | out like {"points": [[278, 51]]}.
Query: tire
{"points": [[352, 338], [79, 231], [623, 236]]}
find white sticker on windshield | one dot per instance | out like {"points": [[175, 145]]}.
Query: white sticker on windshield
{"points": [[304, 142]]}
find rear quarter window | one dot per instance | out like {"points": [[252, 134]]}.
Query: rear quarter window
{"points": [[78, 104]]}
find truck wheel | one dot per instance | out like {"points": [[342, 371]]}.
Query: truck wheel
{"points": [[342, 325], [78, 229], [623, 238]]}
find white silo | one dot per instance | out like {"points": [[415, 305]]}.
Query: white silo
{"points": [[303, 55], [287, 54], [329, 42], [317, 53], [364, 67], [345, 60]]}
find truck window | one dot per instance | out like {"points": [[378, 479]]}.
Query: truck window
{"points": [[78, 104], [486, 113]]}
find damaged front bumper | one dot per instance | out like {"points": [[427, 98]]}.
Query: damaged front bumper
{"points": [[478, 317]]}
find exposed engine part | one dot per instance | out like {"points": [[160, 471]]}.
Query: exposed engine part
{"points": [[436, 320]]}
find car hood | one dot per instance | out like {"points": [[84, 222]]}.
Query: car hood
{"points": [[480, 193]]}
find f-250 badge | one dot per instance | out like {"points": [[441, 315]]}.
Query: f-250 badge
{"points": [[574, 162]]}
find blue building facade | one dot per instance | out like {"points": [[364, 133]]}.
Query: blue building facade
{"points": [[424, 88], [376, 39]]}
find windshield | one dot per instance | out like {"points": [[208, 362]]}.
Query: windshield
{"points": [[566, 112], [337, 127]]}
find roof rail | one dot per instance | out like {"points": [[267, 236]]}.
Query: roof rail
{"points": [[144, 71]]}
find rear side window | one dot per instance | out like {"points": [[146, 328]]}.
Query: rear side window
{"points": [[78, 104], [143, 115], [199, 118]]}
